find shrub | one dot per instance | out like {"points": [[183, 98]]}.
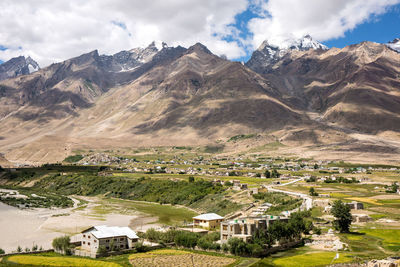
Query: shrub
{"points": [[2, 251], [186, 239], [62, 244], [102, 251]]}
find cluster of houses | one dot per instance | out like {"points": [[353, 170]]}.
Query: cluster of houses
{"points": [[112, 238]]}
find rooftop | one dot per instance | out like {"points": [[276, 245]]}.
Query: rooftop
{"points": [[104, 231], [208, 217]]}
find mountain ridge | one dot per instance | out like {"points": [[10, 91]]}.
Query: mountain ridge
{"points": [[306, 99]]}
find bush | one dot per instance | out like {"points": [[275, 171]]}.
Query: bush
{"points": [[102, 251], [139, 247], [2, 251], [186, 239], [62, 244], [238, 247], [153, 235]]}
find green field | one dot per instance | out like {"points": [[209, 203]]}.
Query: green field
{"points": [[166, 214], [38, 260], [390, 238]]}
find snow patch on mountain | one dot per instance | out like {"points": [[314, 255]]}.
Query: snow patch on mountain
{"points": [[395, 44]]}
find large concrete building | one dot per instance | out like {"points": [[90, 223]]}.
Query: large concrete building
{"points": [[244, 228], [111, 238]]}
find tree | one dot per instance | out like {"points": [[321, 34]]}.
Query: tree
{"points": [[393, 188], [238, 247], [275, 174], [316, 166], [267, 174], [191, 179], [19, 249], [312, 192], [102, 251], [342, 215], [2, 251], [62, 244]]}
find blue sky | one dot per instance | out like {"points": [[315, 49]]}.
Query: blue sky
{"points": [[64, 29], [379, 28]]}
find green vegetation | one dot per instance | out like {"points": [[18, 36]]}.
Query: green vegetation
{"points": [[54, 260], [166, 214], [73, 159], [216, 203], [34, 199], [62, 244], [389, 238], [312, 259], [241, 137], [281, 202], [312, 192], [214, 149], [153, 190], [342, 215]]}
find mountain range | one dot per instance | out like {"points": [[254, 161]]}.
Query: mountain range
{"points": [[300, 98]]}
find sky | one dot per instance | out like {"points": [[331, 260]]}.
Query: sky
{"points": [[54, 30]]}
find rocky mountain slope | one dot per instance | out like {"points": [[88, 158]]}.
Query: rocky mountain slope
{"points": [[302, 95], [356, 87], [18, 66], [268, 54]]}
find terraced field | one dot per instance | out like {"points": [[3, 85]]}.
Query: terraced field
{"points": [[173, 258]]}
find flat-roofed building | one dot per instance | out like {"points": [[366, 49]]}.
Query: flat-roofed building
{"points": [[207, 220], [244, 228]]}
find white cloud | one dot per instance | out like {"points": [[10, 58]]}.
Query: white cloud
{"points": [[52, 31], [322, 19]]}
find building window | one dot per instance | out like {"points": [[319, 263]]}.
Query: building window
{"points": [[224, 227], [88, 243], [121, 239], [84, 242], [95, 241], [107, 241], [88, 236], [107, 247], [121, 246], [84, 235], [115, 239]]}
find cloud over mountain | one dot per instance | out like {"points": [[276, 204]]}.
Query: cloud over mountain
{"points": [[52, 31], [282, 20]]}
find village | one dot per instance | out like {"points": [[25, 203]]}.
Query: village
{"points": [[251, 198]]}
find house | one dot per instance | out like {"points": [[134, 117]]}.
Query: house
{"points": [[355, 205], [244, 228], [110, 237], [207, 220]]}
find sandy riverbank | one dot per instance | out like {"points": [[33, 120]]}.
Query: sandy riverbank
{"points": [[28, 227]]}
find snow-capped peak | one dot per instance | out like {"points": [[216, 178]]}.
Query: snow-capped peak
{"points": [[395, 44], [33, 66], [301, 44], [270, 51]]}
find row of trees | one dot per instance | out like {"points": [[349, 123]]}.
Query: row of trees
{"points": [[261, 240]]}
